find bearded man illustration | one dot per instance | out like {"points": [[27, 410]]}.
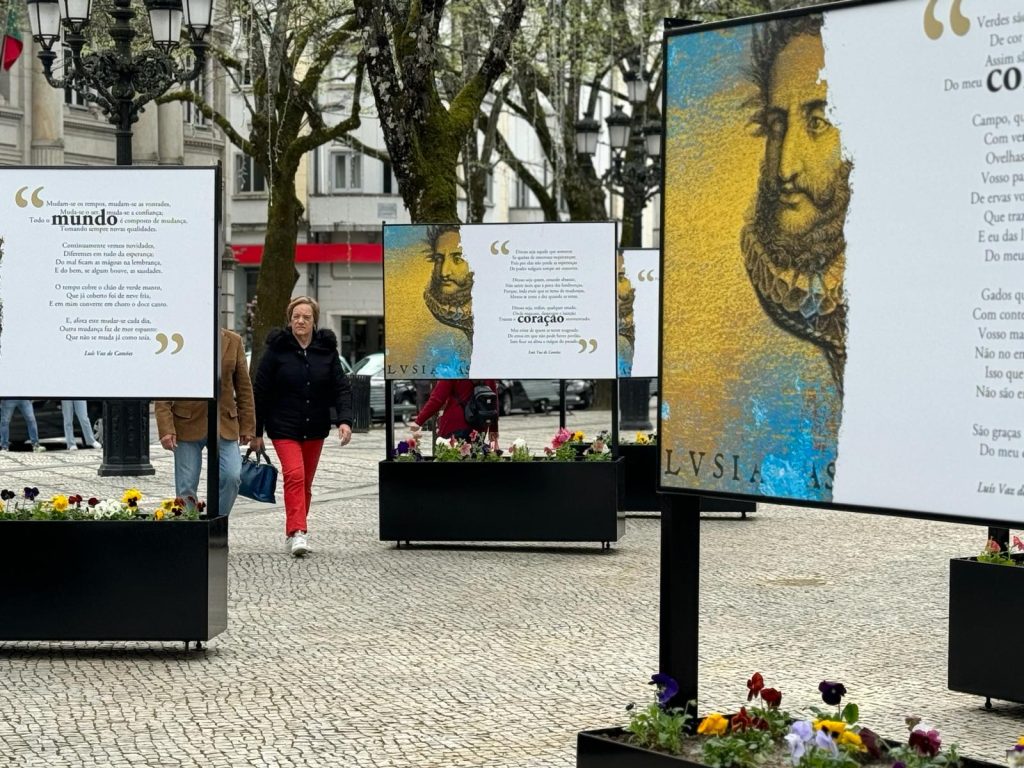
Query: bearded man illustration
{"points": [[449, 294], [625, 294], [793, 243]]}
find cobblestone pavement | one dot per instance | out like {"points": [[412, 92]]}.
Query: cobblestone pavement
{"points": [[362, 655]]}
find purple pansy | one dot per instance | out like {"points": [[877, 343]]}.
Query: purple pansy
{"points": [[832, 693], [667, 687]]}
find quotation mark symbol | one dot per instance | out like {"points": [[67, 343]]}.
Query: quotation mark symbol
{"points": [[21, 202], [504, 247], [647, 276], [934, 28], [592, 343], [177, 338]]}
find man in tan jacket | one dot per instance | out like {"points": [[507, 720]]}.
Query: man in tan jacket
{"points": [[182, 426]]}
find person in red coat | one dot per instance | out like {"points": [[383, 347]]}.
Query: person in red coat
{"points": [[450, 396]]}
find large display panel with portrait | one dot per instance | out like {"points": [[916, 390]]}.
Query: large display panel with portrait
{"points": [[843, 269], [108, 282], [526, 301]]}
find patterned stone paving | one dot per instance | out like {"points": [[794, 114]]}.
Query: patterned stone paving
{"points": [[365, 655]]}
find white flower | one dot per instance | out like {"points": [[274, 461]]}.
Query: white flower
{"points": [[443, 441], [107, 508], [519, 444]]}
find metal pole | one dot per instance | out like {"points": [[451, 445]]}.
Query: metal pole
{"points": [[679, 621], [635, 393], [125, 422]]}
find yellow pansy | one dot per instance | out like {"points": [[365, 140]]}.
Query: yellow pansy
{"points": [[167, 505], [851, 739], [59, 502], [641, 439], [714, 724], [835, 727], [577, 437], [1020, 741], [132, 494], [158, 514]]}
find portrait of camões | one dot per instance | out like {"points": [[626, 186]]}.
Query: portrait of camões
{"points": [[754, 315], [428, 287], [625, 296]]}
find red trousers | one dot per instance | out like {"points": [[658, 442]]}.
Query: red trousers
{"points": [[298, 464]]}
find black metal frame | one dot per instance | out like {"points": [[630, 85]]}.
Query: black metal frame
{"points": [[680, 541], [671, 32]]}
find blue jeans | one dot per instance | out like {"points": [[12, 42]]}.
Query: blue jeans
{"points": [[188, 462], [69, 408], [7, 410]]}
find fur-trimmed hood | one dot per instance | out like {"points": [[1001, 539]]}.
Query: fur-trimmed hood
{"points": [[280, 339]]}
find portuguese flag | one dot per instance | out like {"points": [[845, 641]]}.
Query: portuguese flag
{"points": [[11, 45]]}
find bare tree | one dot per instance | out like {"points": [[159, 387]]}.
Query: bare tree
{"points": [[288, 50], [426, 129]]}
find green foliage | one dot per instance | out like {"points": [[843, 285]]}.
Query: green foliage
{"points": [[741, 749], [520, 453], [655, 727]]}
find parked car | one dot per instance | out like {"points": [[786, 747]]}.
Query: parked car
{"points": [[540, 395], [50, 421], [404, 397]]}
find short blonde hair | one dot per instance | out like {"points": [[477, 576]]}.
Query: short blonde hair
{"points": [[302, 300]]}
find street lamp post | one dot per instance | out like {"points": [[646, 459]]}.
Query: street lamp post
{"points": [[121, 81], [636, 169]]}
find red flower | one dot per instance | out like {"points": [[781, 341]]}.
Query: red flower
{"points": [[754, 686], [925, 742], [741, 721], [93, 501], [772, 697]]}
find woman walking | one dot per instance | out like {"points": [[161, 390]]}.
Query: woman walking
{"points": [[298, 383]]}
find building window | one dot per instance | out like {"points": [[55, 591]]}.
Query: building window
{"points": [[387, 177], [249, 176], [200, 86], [522, 195], [71, 96], [346, 172], [489, 188]]}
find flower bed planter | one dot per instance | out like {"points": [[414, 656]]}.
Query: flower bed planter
{"points": [[543, 501], [985, 629], [640, 484], [605, 748], [114, 580]]}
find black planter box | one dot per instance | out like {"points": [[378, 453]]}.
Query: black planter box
{"points": [[545, 501], [599, 749], [985, 629], [640, 484], [114, 580]]}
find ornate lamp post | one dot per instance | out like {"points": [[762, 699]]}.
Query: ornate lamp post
{"points": [[121, 81], [635, 169]]}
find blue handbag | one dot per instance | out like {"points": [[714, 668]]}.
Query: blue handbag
{"points": [[259, 481]]}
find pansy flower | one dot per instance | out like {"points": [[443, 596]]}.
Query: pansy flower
{"points": [[772, 697], [832, 693], [6, 495], [741, 721], [667, 687], [925, 740], [31, 493], [755, 685], [714, 724]]}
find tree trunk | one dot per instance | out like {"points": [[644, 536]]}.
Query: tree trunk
{"points": [[277, 274], [434, 197]]}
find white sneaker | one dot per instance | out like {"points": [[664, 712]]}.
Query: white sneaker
{"points": [[96, 444], [300, 545], [37, 448], [73, 447]]}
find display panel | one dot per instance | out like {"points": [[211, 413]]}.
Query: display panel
{"points": [[843, 277], [526, 301], [108, 282], [637, 292]]}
